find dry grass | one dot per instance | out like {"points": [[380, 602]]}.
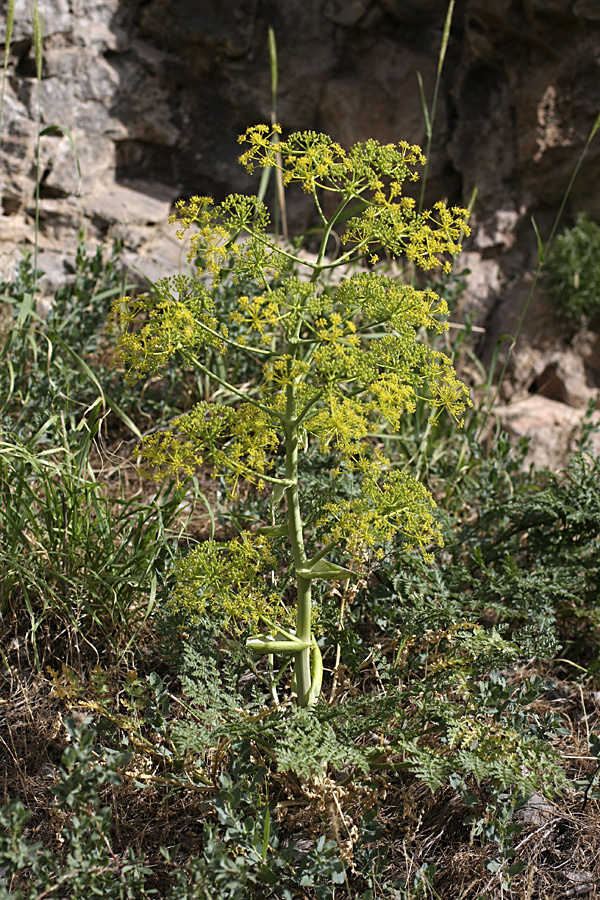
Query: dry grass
{"points": [[559, 838]]}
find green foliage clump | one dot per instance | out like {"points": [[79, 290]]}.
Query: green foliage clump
{"points": [[47, 371], [88, 865], [573, 270], [527, 559], [331, 366], [438, 686], [74, 560], [537, 560]]}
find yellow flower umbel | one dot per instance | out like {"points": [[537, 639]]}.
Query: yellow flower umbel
{"points": [[332, 366]]}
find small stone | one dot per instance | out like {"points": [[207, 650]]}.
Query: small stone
{"points": [[552, 427], [583, 883], [536, 811]]}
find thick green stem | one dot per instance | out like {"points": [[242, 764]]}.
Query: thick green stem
{"points": [[303, 613]]}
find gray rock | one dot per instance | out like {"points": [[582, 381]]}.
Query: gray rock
{"points": [[582, 883], [536, 811], [158, 90], [553, 429], [118, 203]]}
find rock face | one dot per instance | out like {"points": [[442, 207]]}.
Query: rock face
{"points": [[154, 93]]}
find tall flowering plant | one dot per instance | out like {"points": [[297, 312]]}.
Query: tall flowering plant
{"points": [[333, 364]]}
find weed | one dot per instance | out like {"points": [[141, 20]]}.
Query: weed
{"points": [[87, 864], [573, 270], [75, 562], [333, 363], [47, 378]]}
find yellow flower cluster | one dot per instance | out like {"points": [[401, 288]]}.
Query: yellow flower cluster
{"points": [[225, 579], [340, 421], [236, 443], [327, 365], [391, 502], [437, 236], [195, 211], [316, 161], [283, 371], [179, 319], [257, 314]]}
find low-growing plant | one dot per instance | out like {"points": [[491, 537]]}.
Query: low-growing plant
{"points": [[88, 865], [52, 367], [75, 562], [573, 270], [521, 551], [335, 364]]}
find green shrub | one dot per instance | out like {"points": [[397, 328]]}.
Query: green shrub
{"points": [[87, 866], [573, 270]]}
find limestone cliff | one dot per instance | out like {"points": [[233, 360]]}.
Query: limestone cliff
{"points": [[155, 92]]}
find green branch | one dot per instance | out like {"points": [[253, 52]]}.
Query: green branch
{"points": [[232, 343], [271, 479], [229, 387], [304, 411], [326, 235], [322, 553]]}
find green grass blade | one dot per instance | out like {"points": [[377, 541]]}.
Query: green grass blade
{"points": [[26, 309], [424, 107], [89, 430], [540, 243], [10, 18], [445, 37], [430, 114], [264, 184], [38, 43], [572, 180], [122, 415]]}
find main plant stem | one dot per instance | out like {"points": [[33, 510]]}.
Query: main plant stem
{"points": [[303, 609]]}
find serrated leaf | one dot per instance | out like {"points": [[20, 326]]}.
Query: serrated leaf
{"points": [[326, 570]]}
